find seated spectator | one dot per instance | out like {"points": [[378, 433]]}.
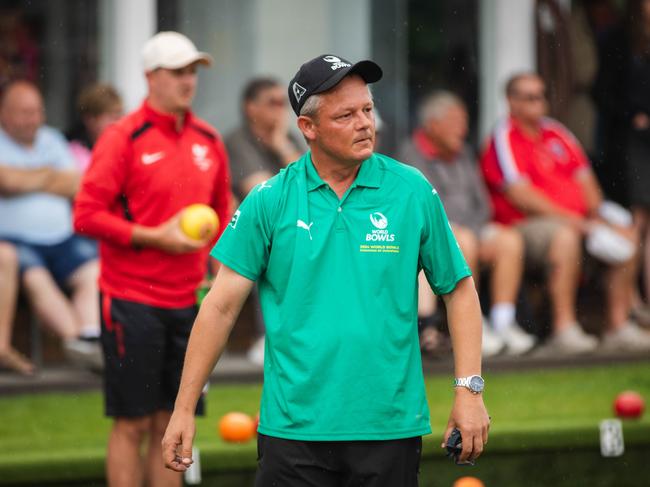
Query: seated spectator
{"points": [[438, 149], [99, 105], [263, 144], [541, 182], [259, 149], [9, 356], [37, 182]]}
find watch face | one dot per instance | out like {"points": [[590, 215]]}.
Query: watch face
{"points": [[476, 383]]}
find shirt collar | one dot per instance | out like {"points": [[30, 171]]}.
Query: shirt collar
{"points": [[424, 144], [164, 120], [369, 175]]}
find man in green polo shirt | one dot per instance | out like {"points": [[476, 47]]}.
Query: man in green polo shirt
{"points": [[336, 241]]}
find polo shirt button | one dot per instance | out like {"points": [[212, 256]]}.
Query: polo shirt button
{"points": [[340, 209]]}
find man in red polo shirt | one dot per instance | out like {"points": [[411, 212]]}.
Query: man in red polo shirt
{"points": [[540, 180], [144, 170]]}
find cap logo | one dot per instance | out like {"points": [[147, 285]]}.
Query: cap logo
{"points": [[298, 91], [336, 62]]}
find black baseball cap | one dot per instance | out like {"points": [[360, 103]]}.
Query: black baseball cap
{"points": [[324, 72]]}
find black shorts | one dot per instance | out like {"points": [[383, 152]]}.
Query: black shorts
{"points": [[144, 349], [292, 463]]}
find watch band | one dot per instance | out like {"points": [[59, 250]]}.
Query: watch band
{"points": [[474, 383]]}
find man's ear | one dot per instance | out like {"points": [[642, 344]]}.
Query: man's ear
{"points": [[307, 126]]}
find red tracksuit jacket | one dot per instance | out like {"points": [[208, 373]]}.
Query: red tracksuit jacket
{"points": [[144, 171]]}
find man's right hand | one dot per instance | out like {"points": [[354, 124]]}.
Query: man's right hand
{"points": [[177, 442], [167, 237]]}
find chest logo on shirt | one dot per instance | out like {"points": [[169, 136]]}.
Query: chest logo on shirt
{"points": [[304, 226], [380, 232], [200, 156], [150, 158], [558, 152]]}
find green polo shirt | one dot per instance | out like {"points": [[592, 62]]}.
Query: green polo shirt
{"points": [[338, 288]]}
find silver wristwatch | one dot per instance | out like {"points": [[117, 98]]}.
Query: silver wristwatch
{"points": [[474, 383]]}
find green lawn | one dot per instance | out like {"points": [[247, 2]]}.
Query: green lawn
{"points": [[46, 436]]}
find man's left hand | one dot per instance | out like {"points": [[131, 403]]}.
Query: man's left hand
{"points": [[471, 418]]}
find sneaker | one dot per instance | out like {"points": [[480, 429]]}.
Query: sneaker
{"points": [[492, 344], [255, 353], [641, 315], [630, 338], [516, 340], [84, 352], [571, 340]]}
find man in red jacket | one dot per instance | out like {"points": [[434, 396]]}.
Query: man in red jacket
{"points": [[144, 170]]}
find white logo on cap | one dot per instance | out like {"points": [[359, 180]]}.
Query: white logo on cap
{"points": [[298, 91], [336, 62]]}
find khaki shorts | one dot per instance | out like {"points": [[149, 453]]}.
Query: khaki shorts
{"points": [[538, 233]]}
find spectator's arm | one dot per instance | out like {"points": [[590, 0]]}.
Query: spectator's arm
{"points": [[15, 181], [63, 183], [531, 201], [591, 190]]}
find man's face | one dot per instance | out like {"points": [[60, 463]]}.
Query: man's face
{"points": [[344, 127], [528, 100], [97, 124], [173, 89], [448, 133], [22, 113], [269, 108]]}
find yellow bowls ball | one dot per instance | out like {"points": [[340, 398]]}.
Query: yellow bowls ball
{"points": [[199, 222]]}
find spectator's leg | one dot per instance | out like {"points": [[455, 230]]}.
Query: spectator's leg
{"points": [[502, 249], [644, 217], [468, 243], [124, 465], [620, 282], [427, 305], [83, 283], [565, 255], [427, 302], [504, 253], [49, 303], [156, 473], [10, 357]]}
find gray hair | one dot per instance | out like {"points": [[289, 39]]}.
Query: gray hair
{"points": [[311, 106], [435, 105]]}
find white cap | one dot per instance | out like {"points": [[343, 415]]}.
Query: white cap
{"points": [[171, 50], [608, 245]]}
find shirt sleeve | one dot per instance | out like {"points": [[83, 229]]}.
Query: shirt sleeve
{"points": [[245, 243], [96, 210], [440, 256], [579, 162], [222, 196], [63, 158], [490, 168]]}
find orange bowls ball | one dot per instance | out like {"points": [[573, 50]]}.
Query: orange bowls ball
{"points": [[236, 427], [468, 482]]}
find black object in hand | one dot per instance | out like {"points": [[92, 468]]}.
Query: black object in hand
{"points": [[455, 447]]}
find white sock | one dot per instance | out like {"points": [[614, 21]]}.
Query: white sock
{"points": [[89, 331], [502, 316]]}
